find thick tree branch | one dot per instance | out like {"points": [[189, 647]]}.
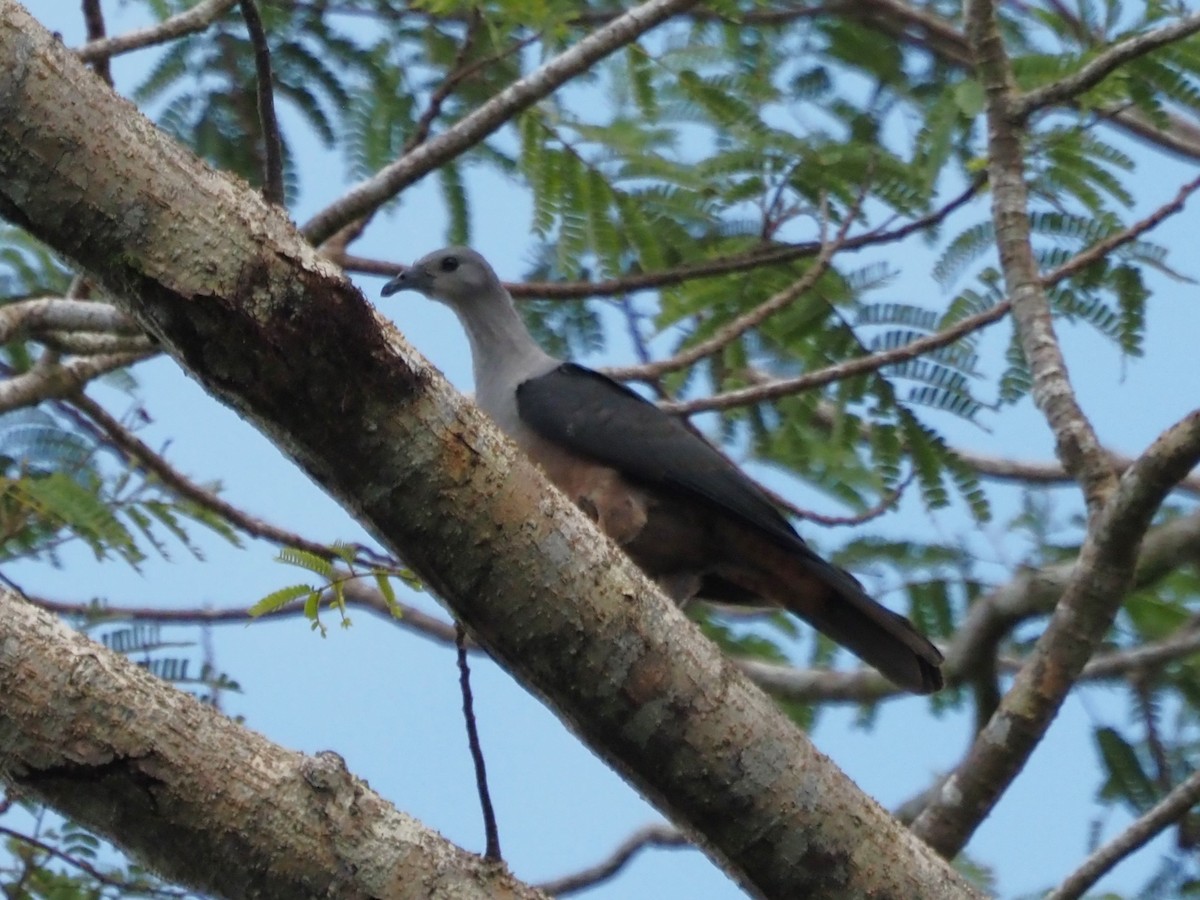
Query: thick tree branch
{"points": [[168, 774], [235, 294], [489, 117]]}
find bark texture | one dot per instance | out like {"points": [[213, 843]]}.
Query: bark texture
{"points": [[238, 297], [198, 798]]}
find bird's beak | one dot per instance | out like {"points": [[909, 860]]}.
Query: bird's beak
{"points": [[410, 278]]}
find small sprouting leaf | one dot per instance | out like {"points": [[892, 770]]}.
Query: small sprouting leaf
{"points": [[276, 600], [304, 559]]}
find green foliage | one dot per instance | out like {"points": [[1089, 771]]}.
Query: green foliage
{"points": [[59, 860], [27, 268], [333, 573], [1127, 779], [53, 488]]}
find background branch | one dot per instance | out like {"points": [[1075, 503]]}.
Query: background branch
{"points": [[1173, 807], [490, 116]]}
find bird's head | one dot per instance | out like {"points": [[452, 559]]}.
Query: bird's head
{"points": [[453, 275]]}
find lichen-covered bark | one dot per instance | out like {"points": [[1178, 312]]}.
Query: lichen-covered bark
{"points": [[197, 797], [235, 294]]}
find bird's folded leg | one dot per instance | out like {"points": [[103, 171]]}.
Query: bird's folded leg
{"points": [[681, 587]]}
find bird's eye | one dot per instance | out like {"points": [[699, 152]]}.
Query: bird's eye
{"points": [[450, 263]]}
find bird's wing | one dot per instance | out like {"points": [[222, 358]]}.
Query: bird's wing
{"points": [[603, 420], [599, 419]]}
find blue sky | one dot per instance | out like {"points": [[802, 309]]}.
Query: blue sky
{"points": [[388, 701]]}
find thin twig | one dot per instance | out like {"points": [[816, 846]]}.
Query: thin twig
{"points": [[1162, 815], [459, 72], [91, 870], [468, 707], [357, 594], [272, 188], [851, 367], [749, 260], [661, 836], [140, 453], [886, 502], [773, 389], [752, 318], [1048, 472], [1103, 247], [93, 18]]}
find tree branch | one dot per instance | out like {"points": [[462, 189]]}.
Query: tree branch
{"points": [[783, 387], [1101, 66], [1107, 245], [1075, 439], [168, 774], [1173, 807], [56, 380], [195, 19], [272, 186], [770, 389], [58, 314], [1099, 582], [93, 17], [752, 318], [489, 117], [938, 37], [83, 865], [138, 452], [357, 593], [651, 836], [757, 257]]}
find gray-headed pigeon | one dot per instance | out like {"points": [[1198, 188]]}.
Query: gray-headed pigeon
{"points": [[687, 516]]}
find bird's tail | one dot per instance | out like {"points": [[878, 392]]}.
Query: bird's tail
{"points": [[832, 601], [872, 632]]}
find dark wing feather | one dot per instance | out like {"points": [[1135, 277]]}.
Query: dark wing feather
{"points": [[599, 418]]}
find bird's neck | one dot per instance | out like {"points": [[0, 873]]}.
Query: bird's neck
{"points": [[502, 349]]}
